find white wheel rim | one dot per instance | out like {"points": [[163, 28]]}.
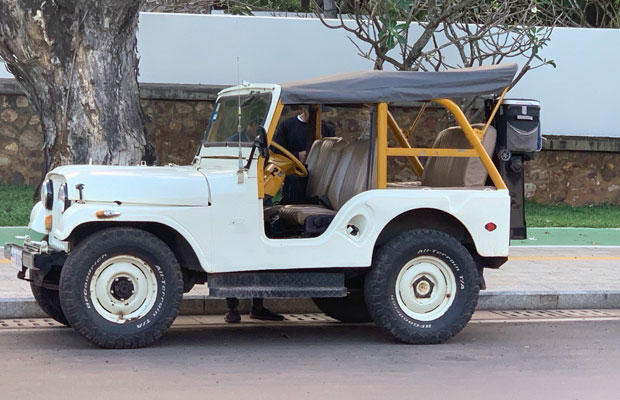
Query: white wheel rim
{"points": [[123, 288], [425, 288]]}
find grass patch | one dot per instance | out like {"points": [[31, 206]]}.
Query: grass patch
{"points": [[564, 215], [15, 204]]}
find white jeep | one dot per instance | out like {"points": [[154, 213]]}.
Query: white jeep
{"points": [[123, 243]]}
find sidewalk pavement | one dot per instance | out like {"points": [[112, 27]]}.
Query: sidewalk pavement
{"points": [[535, 277]]}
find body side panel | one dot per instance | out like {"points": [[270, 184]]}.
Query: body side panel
{"points": [[240, 243]]}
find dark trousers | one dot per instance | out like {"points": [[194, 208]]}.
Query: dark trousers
{"points": [[233, 303], [294, 190]]}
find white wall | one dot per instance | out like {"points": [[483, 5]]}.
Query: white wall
{"points": [[204, 49], [578, 97]]}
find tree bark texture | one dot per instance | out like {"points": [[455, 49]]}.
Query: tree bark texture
{"points": [[329, 8], [77, 61]]}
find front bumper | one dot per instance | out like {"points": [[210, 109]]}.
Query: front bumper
{"points": [[33, 261]]}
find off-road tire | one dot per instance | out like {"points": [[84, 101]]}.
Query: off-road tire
{"points": [[351, 308], [380, 286], [49, 301], [78, 271]]}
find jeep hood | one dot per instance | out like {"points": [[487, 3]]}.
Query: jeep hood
{"points": [[178, 186]]}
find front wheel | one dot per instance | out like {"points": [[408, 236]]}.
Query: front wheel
{"points": [[121, 288], [423, 287], [49, 301]]}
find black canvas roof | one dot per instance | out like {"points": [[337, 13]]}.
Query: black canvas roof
{"points": [[398, 86]]}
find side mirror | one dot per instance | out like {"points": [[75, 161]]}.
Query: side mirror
{"points": [[260, 144]]}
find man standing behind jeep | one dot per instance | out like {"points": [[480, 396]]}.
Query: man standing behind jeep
{"points": [[294, 135]]}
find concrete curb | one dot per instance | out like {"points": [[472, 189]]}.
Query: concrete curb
{"points": [[496, 300], [27, 307], [548, 300]]}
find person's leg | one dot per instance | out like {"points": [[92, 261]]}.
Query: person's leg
{"points": [[233, 310], [294, 190], [260, 312], [257, 303]]}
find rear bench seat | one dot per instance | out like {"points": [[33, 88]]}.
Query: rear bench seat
{"points": [[454, 171], [337, 173]]}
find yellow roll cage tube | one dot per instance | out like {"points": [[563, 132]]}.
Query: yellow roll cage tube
{"points": [[385, 120]]}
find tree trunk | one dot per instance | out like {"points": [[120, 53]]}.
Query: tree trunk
{"points": [[77, 62], [329, 7]]}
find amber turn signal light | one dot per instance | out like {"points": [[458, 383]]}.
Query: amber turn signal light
{"points": [[107, 214], [48, 223]]}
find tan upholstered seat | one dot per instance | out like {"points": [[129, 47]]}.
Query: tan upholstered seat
{"points": [[320, 174], [322, 161], [404, 185], [349, 178], [457, 171], [298, 213]]}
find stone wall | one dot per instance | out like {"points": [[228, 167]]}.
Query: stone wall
{"points": [[573, 170], [574, 177], [176, 127], [177, 119], [21, 159]]}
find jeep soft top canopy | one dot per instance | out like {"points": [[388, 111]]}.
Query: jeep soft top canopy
{"points": [[398, 86]]}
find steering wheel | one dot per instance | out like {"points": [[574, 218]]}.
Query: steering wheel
{"points": [[298, 167]]}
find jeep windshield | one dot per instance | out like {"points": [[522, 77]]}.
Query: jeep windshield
{"points": [[223, 127]]}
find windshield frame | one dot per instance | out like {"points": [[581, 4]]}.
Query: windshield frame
{"points": [[272, 90]]}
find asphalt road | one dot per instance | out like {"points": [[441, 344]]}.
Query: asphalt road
{"points": [[567, 360]]}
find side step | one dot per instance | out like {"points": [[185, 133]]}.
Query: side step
{"points": [[276, 284]]}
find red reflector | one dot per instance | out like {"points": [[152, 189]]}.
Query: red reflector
{"points": [[490, 227]]}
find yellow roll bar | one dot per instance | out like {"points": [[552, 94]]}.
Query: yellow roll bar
{"points": [[385, 120], [382, 145], [425, 152], [318, 118], [474, 140], [474, 137]]}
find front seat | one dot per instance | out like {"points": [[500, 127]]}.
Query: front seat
{"points": [[348, 180]]}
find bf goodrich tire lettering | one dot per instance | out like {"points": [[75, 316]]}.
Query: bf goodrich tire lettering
{"points": [[121, 288], [423, 287]]}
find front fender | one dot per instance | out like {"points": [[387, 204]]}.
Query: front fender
{"points": [[187, 221], [37, 218]]}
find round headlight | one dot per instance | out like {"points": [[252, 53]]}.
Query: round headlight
{"points": [[63, 197], [47, 194]]}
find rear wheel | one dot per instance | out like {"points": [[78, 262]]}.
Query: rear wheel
{"points": [[49, 301], [121, 288], [351, 308], [423, 287]]}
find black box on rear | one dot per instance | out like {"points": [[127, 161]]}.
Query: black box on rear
{"points": [[518, 137], [518, 126]]}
